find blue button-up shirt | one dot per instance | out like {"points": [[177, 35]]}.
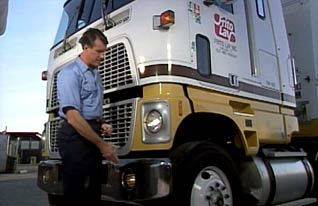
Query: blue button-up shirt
{"points": [[80, 87]]}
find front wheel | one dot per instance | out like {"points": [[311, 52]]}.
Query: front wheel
{"points": [[211, 187], [204, 175]]}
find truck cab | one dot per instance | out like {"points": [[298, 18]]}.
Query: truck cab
{"points": [[200, 94]]}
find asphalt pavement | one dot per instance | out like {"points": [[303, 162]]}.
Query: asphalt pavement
{"points": [[20, 189]]}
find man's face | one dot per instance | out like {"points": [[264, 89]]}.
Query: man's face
{"points": [[95, 54]]}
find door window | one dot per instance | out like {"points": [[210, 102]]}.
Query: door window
{"points": [[203, 55]]}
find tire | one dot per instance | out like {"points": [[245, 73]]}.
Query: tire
{"points": [[205, 175], [55, 200]]}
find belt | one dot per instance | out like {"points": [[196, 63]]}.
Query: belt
{"points": [[91, 121], [94, 121]]}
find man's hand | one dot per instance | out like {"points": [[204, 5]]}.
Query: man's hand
{"points": [[84, 129], [108, 151], [106, 129]]}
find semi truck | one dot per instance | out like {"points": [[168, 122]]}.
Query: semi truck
{"points": [[201, 97]]}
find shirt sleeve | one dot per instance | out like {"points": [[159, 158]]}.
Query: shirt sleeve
{"points": [[68, 90]]}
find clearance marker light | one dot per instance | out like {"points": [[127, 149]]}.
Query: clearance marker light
{"points": [[167, 19], [44, 75], [164, 21]]}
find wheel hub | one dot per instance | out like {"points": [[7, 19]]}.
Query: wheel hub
{"points": [[216, 193], [211, 188]]}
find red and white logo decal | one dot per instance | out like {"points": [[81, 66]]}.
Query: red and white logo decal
{"points": [[196, 9], [224, 28]]}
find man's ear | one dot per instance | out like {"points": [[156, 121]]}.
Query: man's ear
{"points": [[85, 47]]}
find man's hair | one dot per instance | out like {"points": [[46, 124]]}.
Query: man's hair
{"points": [[90, 36]]}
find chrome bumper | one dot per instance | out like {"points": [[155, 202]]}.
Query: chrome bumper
{"points": [[50, 177], [130, 179]]}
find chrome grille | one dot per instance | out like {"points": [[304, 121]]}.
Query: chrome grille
{"points": [[53, 127], [115, 71], [120, 116], [53, 99]]}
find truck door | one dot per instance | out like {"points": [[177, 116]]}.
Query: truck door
{"points": [[223, 28], [285, 62], [262, 44]]}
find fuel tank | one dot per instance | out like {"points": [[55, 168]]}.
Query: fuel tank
{"points": [[274, 180]]}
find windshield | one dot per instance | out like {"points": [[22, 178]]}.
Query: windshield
{"points": [[80, 13]]}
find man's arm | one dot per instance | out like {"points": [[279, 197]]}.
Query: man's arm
{"points": [[75, 119]]}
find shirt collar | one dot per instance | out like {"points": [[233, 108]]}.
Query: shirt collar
{"points": [[81, 64]]}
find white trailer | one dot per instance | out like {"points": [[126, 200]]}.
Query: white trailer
{"points": [[8, 153], [302, 28], [3, 152]]}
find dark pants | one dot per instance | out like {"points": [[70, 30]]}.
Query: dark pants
{"points": [[81, 167]]}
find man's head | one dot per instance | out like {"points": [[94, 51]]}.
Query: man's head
{"points": [[94, 44]]}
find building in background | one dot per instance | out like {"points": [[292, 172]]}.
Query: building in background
{"points": [[19, 147], [29, 146]]}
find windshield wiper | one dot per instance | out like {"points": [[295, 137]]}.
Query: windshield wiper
{"points": [[108, 22], [78, 8]]}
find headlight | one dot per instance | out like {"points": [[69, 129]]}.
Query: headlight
{"points": [[128, 179], [153, 121], [156, 121], [46, 176]]}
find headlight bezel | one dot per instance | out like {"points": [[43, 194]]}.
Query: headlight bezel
{"points": [[162, 133]]}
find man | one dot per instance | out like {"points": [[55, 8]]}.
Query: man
{"points": [[80, 96]]}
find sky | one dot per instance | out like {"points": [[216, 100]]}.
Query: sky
{"points": [[24, 52]]}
